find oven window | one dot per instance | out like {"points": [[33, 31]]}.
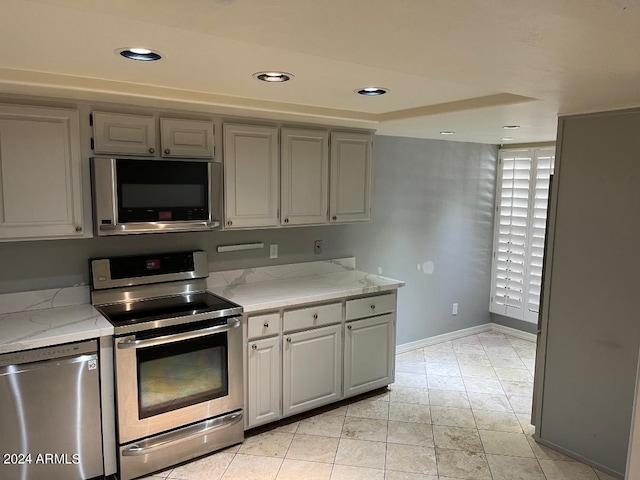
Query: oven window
{"points": [[176, 375]]}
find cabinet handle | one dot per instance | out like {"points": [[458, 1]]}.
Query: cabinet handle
{"points": [[315, 316], [373, 307], [78, 228], [289, 340], [254, 347], [334, 218], [349, 327], [286, 220], [152, 150], [167, 151], [229, 223], [266, 325]]}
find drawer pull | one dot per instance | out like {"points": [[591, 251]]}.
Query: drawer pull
{"points": [[167, 151], [254, 347], [349, 327], [315, 316], [266, 324], [373, 307], [152, 150], [288, 339]]}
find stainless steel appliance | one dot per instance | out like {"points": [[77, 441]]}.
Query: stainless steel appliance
{"points": [[50, 413], [177, 359], [133, 196]]}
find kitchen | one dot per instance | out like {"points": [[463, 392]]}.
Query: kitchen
{"points": [[445, 210]]}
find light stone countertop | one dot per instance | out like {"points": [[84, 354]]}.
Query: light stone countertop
{"points": [[287, 292]]}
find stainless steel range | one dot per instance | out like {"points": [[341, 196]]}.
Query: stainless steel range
{"points": [[177, 359]]}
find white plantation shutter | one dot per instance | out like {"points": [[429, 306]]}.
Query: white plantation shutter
{"points": [[521, 209]]}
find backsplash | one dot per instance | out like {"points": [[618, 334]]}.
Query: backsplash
{"points": [[41, 299]]}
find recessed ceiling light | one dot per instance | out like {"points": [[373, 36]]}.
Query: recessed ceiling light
{"points": [[141, 54], [507, 139], [371, 91], [511, 127], [273, 77], [447, 132]]}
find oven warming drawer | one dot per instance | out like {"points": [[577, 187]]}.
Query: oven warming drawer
{"points": [[153, 454]]}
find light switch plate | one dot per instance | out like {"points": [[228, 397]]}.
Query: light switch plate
{"points": [[273, 250]]}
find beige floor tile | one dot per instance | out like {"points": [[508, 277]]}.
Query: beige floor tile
{"points": [[520, 404], [288, 427], [523, 389], [409, 412], [469, 370], [456, 438], [370, 429], [560, 470], [336, 409], [410, 433], [413, 356], [461, 464], [361, 453], [529, 363], [497, 421], [603, 476], [313, 448], [444, 369], [466, 340], [268, 444], [253, 467], [449, 399], [299, 469], [409, 395], [411, 380], [506, 362], [410, 367], [154, 477], [411, 459], [439, 347], [543, 452], [393, 475], [323, 424], [369, 409], [475, 349], [440, 356], [473, 359], [453, 417], [514, 374], [211, 467], [525, 423], [487, 401], [348, 472], [514, 468], [505, 443], [443, 382], [482, 385]]}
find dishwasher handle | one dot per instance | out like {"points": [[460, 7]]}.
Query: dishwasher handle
{"points": [[177, 337]]}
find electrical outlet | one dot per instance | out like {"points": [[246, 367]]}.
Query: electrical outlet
{"points": [[317, 247], [454, 311], [273, 250]]}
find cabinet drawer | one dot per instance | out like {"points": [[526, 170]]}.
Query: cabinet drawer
{"points": [[312, 317], [366, 307], [263, 325]]}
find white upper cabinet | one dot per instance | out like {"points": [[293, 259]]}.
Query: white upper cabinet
{"points": [[123, 134], [350, 177], [251, 174], [186, 138], [305, 175], [40, 173]]}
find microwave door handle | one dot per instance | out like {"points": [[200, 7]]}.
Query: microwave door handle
{"points": [[150, 342]]}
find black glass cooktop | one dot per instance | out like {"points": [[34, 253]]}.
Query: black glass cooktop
{"points": [[150, 310]]}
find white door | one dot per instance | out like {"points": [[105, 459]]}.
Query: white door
{"points": [[305, 176], [124, 134], [251, 176], [186, 138], [40, 173], [312, 369], [264, 387], [350, 177], [369, 350]]}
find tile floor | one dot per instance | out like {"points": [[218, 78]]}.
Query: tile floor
{"points": [[458, 410]]}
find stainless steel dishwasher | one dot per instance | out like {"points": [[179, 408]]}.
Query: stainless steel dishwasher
{"points": [[50, 413]]}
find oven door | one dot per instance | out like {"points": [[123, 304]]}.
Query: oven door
{"points": [[172, 380]]}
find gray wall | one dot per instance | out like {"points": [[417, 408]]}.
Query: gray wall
{"points": [[514, 323], [591, 318], [432, 202]]}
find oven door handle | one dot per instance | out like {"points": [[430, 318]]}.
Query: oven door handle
{"points": [[177, 337]]}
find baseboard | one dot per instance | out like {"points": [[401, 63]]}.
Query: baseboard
{"points": [[445, 337]]}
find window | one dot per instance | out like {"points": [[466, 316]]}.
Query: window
{"points": [[519, 230]]}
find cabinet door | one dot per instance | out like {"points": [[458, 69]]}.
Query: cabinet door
{"points": [[40, 173], [350, 177], [186, 138], [124, 134], [305, 175], [312, 369], [263, 386], [369, 353], [251, 176]]}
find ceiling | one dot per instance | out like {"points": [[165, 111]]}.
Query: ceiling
{"points": [[466, 66]]}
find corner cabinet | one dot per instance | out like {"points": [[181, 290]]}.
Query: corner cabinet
{"points": [[251, 176], [350, 177], [40, 173]]}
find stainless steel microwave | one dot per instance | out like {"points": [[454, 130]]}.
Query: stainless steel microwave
{"points": [[132, 196]]}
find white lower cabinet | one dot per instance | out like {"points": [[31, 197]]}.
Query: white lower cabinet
{"points": [[312, 363], [264, 373], [369, 354]]}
